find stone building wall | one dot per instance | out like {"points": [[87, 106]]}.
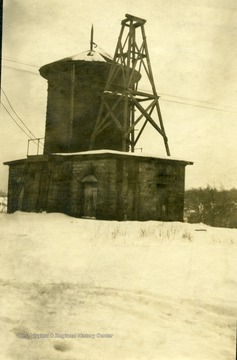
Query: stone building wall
{"points": [[104, 186]]}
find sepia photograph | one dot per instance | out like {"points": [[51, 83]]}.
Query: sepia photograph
{"points": [[118, 180]]}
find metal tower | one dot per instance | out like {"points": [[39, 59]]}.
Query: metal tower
{"points": [[131, 61]]}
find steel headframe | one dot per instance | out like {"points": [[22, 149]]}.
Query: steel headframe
{"points": [[130, 59]]}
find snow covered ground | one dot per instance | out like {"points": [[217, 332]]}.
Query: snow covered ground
{"points": [[116, 290]]}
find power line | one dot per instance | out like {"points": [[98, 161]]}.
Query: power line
{"points": [[190, 99], [35, 138], [17, 114], [196, 105], [20, 62], [175, 96], [11, 67], [17, 123], [200, 106]]}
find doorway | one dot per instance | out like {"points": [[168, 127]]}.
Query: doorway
{"points": [[162, 201], [89, 196]]}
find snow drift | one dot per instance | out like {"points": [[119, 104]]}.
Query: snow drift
{"points": [[129, 290]]}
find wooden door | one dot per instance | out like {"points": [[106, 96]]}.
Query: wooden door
{"points": [[90, 199], [162, 201]]}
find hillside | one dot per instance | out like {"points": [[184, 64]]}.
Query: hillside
{"points": [[158, 290]]}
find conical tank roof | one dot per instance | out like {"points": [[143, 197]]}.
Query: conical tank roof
{"points": [[85, 56], [90, 55]]}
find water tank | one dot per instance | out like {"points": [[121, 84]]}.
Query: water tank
{"points": [[75, 88]]}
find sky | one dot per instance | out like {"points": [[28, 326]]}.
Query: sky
{"points": [[192, 47]]}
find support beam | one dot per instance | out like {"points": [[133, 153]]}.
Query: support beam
{"points": [[131, 62]]}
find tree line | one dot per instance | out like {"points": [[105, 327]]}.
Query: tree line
{"points": [[211, 206]]}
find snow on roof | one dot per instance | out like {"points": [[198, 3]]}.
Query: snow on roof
{"points": [[104, 151], [86, 56], [90, 55]]}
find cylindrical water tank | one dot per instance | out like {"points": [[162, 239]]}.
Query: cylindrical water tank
{"points": [[75, 88]]}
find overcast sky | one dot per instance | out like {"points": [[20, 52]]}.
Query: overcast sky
{"points": [[192, 46]]}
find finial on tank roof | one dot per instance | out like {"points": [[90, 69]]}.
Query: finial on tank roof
{"points": [[92, 36]]}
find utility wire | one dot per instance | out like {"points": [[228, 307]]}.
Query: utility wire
{"points": [[20, 62], [18, 115], [195, 105], [190, 99], [14, 68], [34, 140], [175, 96], [200, 106], [17, 123]]}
